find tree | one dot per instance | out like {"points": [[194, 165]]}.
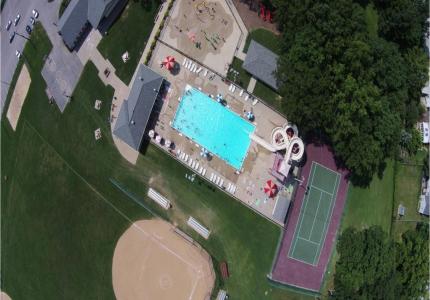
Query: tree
{"points": [[374, 266], [413, 262], [403, 21], [356, 90]]}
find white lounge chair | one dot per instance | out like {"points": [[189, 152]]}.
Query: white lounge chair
{"points": [[246, 97], [254, 102], [199, 70], [212, 177], [178, 153], [205, 72], [197, 166], [184, 62], [221, 183], [241, 93], [230, 87], [233, 89], [204, 172]]}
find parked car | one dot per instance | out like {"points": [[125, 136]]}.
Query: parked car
{"points": [[9, 23], [18, 17], [35, 13], [18, 53], [11, 37], [28, 29], [32, 20]]}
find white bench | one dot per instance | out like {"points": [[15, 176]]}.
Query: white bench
{"points": [[160, 200], [199, 228]]}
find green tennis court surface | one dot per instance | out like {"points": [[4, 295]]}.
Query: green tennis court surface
{"points": [[315, 214]]}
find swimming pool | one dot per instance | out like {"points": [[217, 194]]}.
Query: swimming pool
{"points": [[213, 126]]}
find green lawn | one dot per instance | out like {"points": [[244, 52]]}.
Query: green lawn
{"points": [[62, 216], [129, 33], [372, 205], [264, 37], [407, 191], [269, 96], [365, 207], [243, 77], [371, 17]]}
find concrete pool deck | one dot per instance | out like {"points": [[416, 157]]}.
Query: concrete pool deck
{"points": [[256, 167]]}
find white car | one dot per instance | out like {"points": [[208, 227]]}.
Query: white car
{"points": [[35, 13], [32, 21], [18, 53], [9, 23], [18, 17]]}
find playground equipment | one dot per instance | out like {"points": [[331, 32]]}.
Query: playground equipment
{"points": [[284, 138]]}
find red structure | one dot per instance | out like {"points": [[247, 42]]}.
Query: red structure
{"points": [[263, 12], [271, 188], [169, 62]]}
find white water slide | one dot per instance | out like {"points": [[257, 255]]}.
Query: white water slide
{"points": [[280, 141]]}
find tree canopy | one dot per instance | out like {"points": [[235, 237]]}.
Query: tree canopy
{"points": [[373, 266], [356, 89]]}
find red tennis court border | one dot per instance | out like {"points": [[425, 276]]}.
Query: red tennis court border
{"points": [[293, 272]]}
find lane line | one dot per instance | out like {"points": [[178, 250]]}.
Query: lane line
{"points": [[305, 202], [315, 217]]}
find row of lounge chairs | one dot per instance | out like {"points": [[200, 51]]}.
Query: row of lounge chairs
{"points": [[191, 163], [217, 180], [232, 88], [192, 66]]}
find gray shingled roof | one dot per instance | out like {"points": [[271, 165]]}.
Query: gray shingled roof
{"points": [[77, 14], [261, 63], [281, 208], [136, 110]]}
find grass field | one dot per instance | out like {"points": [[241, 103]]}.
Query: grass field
{"points": [[264, 37], [365, 207], [62, 216], [372, 205], [243, 77], [407, 191], [129, 33], [269, 96]]}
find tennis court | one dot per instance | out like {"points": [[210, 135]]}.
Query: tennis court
{"points": [[315, 214]]}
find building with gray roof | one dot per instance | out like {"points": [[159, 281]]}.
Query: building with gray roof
{"points": [[261, 63], [83, 14], [136, 111]]}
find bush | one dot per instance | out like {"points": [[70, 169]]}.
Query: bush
{"points": [[63, 7]]}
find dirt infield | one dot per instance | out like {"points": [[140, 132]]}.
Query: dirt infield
{"points": [[18, 97], [293, 272], [151, 261], [4, 296]]}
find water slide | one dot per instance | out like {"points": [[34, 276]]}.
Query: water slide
{"points": [[281, 141]]}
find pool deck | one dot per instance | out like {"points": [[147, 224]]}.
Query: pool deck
{"points": [[255, 171]]}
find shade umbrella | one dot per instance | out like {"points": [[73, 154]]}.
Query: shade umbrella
{"points": [[151, 133], [270, 188], [169, 62], [158, 139]]}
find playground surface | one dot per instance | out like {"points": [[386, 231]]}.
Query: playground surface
{"points": [[313, 221], [206, 31], [18, 97], [151, 261]]}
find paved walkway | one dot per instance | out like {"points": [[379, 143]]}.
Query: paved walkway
{"points": [[251, 85], [89, 51]]}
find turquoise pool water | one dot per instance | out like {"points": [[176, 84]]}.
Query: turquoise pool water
{"points": [[213, 126]]}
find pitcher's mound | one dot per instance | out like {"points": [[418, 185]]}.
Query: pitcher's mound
{"points": [[151, 261]]}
